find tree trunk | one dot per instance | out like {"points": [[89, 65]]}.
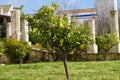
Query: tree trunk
{"points": [[52, 56], [0, 59], [21, 59], [66, 67], [105, 56]]}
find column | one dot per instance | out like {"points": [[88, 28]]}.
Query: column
{"points": [[16, 24], [24, 30], [115, 29], [114, 22], [17, 11], [1, 10], [8, 30], [4, 20], [92, 48], [8, 27]]}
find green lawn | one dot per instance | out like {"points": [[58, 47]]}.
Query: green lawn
{"points": [[109, 70]]}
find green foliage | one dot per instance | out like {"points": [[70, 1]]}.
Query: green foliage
{"points": [[1, 48], [106, 41], [16, 49], [55, 31], [80, 37], [34, 38]]}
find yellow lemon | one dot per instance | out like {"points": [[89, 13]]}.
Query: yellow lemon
{"points": [[52, 8], [61, 42], [37, 45], [61, 25], [82, 46], [35, 29], [0, 53]]}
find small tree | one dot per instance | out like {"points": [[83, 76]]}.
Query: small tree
{"points": [[106, 41], [57, 33], [16, 50], [22, 50]]}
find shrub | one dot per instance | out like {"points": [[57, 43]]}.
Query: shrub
{"points": [[16, 49], [1, 50]]}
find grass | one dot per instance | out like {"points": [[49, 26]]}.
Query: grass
{"points": [[108, 70]]}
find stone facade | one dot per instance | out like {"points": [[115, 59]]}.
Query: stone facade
{"points": [[16, 28]]}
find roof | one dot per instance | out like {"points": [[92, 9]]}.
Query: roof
{"points": [[79, 11], [5, 8]]}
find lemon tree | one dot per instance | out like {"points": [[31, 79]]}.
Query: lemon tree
{"points": [[106, 41], [55, 32]]}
